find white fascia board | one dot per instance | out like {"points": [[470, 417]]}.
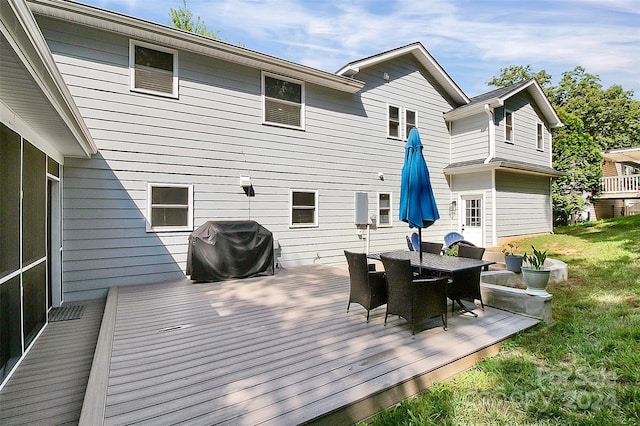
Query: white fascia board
{"points": [[31, 48], [425, 59], [535, 90], [183, 40]]}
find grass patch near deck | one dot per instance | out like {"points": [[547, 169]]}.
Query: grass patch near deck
{"points": [[582, 370]]}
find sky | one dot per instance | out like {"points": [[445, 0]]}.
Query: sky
{"points": [[471, 39]]}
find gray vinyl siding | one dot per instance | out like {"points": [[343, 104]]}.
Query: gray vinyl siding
{"points": [[470, 138], [210, 136], [524, 204], [525, 120], [480, 184]]}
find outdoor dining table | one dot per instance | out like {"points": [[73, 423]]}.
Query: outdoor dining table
{"points": [[436, 262]]}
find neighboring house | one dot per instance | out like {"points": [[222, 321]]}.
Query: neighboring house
{"points": [[619, 185], [131, 134]]}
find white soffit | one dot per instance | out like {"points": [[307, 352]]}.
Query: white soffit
{"points": [[183, 40]]}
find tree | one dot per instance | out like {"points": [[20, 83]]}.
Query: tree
{"points": [[610, 115], [517, 73], [577, 155], [182, 18]]}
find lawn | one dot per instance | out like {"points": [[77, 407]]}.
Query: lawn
{"points": [[584, 369]]}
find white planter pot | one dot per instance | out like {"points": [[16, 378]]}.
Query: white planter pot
{"points": [[536, 280]]}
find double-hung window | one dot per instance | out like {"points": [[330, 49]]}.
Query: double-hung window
{"points": [[283, 101], [304, 208], [153, 69], [169, 207], [384, 209], [540, 137], [508, 126], [400, 121]]}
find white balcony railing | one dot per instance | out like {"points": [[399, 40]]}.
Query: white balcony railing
{"points": [[626, 183]]}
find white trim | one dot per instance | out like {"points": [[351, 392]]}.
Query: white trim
{"points": [[389, 135], [415, 121], [472, 195], [513, 126], [188, 227], [540, 130], [302, 101], [390, 224], [132, 68], [315, 213]]}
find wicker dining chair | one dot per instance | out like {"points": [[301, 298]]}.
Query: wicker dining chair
{"points": [[368, 288], [415, 300], [428, 247], [466, 284]]}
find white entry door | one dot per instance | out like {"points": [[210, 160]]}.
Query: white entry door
{"points": [[472, 219]]}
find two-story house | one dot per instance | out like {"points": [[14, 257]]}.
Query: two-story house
{"points": [[619, 185], [120, 136]]}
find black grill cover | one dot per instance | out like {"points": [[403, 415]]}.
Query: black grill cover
{"points": [[229, 249]]}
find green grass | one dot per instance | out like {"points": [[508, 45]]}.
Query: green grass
{"points": [[584, 369]]}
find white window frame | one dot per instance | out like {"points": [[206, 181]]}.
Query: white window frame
{"points": [[150, 206], [406, 122], [302, 101], [132, 69], [390, 208], [389, 135], [513, 127], [540, 136], [315, 208]]}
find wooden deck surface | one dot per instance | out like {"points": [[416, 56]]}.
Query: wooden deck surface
{"points": [[276, 350], [49, 385]]}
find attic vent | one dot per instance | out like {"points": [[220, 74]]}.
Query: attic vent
{"points": [[153, 69]]}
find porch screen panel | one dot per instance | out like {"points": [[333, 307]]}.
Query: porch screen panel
{"points": [[34, 204], [10, 336], [35, 304], [9, 201]]}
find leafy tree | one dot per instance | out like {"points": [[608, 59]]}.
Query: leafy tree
{"points": [[517, 73], [182, 18], [610, 115], [577, 155]]}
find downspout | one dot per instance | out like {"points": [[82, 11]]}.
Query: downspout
{"points": [[494, 194], [492, 134]]}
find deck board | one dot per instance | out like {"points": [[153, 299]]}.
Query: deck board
{"points": [[271, 350], [48, 387]]}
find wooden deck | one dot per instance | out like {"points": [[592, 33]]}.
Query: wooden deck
{"points": [[271, 350], [49, 385]]}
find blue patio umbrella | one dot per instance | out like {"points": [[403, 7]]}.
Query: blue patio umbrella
{"points": [[417, 203]]}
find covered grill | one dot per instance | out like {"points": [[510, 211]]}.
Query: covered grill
{"points": [[220, 250]]}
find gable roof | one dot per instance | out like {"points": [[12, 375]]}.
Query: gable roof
{"points": [[425, 59], [151, 32], [497, 98], [628, 156], [33, 89]]}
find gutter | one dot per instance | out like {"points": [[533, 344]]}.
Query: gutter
{"points": [[492, 134]]}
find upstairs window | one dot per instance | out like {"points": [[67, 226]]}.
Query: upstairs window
{"points": [[508, 126], [169, 207], [283, 101], [400, 121], [410, 121], [540, 137], [384, 209], [393, 127], [304, 208], [153, 69]]}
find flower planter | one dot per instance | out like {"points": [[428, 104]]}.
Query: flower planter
{"points": [[513, 262], [536, 280]]}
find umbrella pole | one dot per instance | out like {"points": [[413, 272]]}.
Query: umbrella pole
{"points": [[420, 249]]}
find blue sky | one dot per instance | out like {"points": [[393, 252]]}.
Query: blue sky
{"points": [[471, 39]]}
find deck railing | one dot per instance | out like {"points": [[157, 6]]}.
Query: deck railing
{"points": [[627, 183]]}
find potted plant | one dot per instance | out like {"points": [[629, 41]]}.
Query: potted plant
{"points": [[536, 275], [512, 261]]}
